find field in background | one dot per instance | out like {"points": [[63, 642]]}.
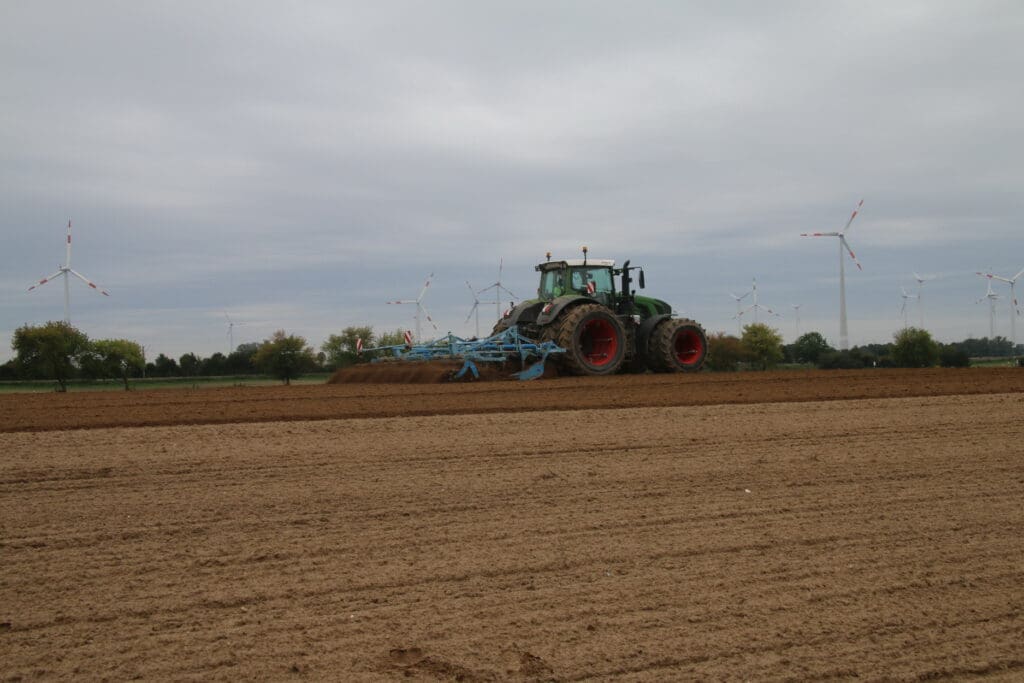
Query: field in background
{"points": [[146, 384], [754, 526]]}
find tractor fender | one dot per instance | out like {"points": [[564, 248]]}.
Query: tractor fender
{"points": [[643, 335], [525, 312], [550, 310]]}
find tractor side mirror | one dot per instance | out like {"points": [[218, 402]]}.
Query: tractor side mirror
{"points": [[641, 278]]}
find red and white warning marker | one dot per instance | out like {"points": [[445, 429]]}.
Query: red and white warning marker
{"points": [[408, 338], [359, 345]]}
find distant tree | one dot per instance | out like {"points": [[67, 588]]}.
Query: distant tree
{"points": [[396, 338], [164, 367], [914, 348], [51, 351], [214, 366], [725, 352], [763, 345], [284, 356], [809, 347], [115, 359], [840, 360], [998, 346], [9, 371], [953, 356], [239, 361], [189, 364], [340, 349]]}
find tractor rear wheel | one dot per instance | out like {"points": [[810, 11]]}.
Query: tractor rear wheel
{"points": [[677, 345], [593, 338]]}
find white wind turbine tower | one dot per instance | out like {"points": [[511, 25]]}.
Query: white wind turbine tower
{"points": [[498, 289], [420, 308], [476, 307], [231, 332], [66, 271], [991, 297], [844, 343], [1014, 308], [739, 309], [920, 295], [796, 312], [903, 308]]}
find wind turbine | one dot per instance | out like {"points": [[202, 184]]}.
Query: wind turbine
{"points": [[739, 309], [231, 332], [920, 295], [796, 312], [755, 307], [66, 271], [903, 308], [991, 296], [1014, 308], [420, 308], [843, 337], [498, 289]]}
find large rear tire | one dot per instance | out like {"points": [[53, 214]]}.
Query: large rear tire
{"points": [[677, 345], [593, 338]]}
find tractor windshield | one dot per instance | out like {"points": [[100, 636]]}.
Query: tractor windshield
{"points": [[592, 280], [584, 280]]}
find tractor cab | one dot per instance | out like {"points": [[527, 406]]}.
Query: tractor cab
{"points": [[577, 277]]}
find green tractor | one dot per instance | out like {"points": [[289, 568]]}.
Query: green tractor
{"points": [[605, 331]]}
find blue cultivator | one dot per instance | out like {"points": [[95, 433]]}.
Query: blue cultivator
{"points": [[504, 347]]}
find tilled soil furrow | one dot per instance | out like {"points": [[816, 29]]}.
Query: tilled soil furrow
{"points": [[876, 538]]}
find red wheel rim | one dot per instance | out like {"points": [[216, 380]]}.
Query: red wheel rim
{"points": [[688, 347], [599, 342]]}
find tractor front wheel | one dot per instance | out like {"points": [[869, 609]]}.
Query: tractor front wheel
{"points": [[593, 338], [677, 345]]}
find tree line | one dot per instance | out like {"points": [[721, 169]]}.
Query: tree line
{"points": [[58, 351], [760, 347]]}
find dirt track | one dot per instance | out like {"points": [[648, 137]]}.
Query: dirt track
{"points": [[659, 540]]}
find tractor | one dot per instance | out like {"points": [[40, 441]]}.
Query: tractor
{"points": [[605, 331]]}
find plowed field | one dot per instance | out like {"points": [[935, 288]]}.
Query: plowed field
{"points": [[756, 526]]}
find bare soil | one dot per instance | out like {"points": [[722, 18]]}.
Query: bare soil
{"points": [[758, 526]]}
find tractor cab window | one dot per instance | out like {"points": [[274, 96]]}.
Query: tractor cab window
{"points": [[552, 284], [592, 280]]}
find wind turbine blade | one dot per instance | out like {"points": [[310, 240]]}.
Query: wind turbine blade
{"points": [[423, 291], [472, 310], [46, 279], [89, 282], [1014, 278], [819, 234], [850, 251], [508, 291], [426, 314], [853, 215], [67, 255], [400, 302], [903, 308]]}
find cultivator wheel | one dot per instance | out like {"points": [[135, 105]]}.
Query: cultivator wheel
{"points": [[593, 338], [677, 345]]}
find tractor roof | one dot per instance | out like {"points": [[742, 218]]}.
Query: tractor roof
{"points": [[596, 262]]}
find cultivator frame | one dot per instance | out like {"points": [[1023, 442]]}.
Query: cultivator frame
{"points": [[504, 347]]}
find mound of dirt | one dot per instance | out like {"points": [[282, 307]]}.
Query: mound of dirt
{"points": [[416, 372]]}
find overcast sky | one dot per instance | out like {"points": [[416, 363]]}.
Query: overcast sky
{"points": [[296, 165]]}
